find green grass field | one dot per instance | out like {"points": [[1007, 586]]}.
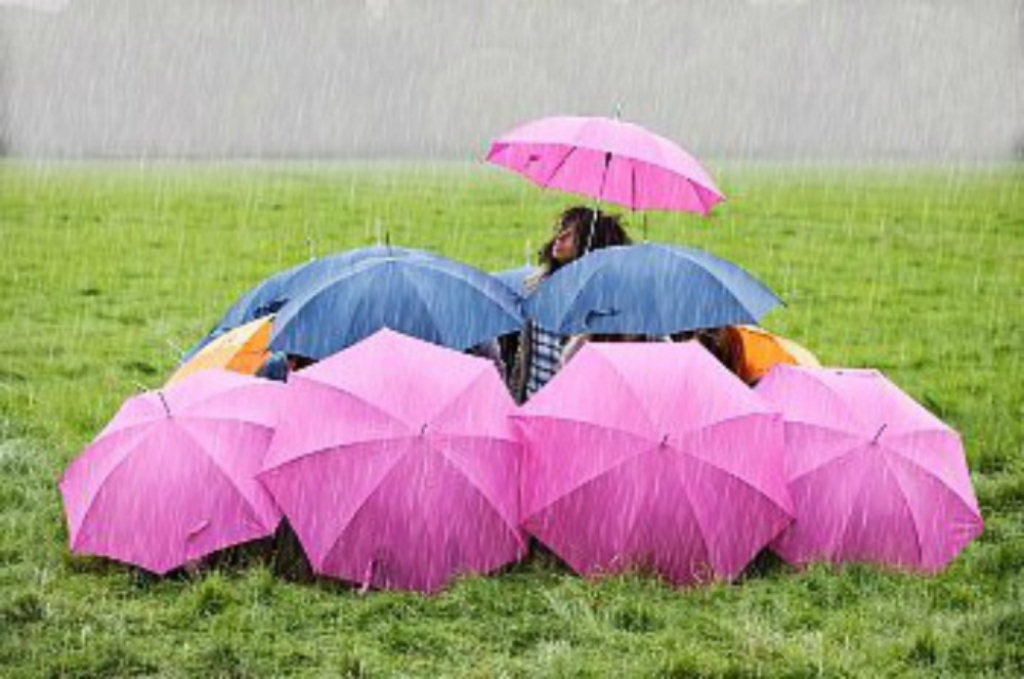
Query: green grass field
{"points": [[918, 272]]}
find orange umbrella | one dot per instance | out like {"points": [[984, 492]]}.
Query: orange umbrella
{"points": [[762, 350], [242, 350]]}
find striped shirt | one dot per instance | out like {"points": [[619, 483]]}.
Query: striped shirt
{"points": [[545, 358]]}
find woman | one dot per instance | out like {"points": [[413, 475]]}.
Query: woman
{"points": [[579, 230]]}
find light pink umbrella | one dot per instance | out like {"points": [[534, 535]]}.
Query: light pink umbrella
{"points": [[172, 477], [652, 456], [874, 476], [397, 466], [609, 160]]}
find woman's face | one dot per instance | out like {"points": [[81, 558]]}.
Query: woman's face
{"points": [[564, 248]]}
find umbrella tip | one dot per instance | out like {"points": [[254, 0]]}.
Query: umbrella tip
{"points": [[879, 433]]}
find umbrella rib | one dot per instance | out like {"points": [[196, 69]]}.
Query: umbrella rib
{"points": [[848, 411], [716, 423], [461, 280], [632, 189], [602, 472], [700, 196], [558, 168], [604, 176], [593, 479], [189, 416], [512, 441], [683, 482], [728, 472], [913, 517], [336, 389], [932, 475], [314, 292], [714, 265], [216, 465], [578, 143], [854, 446], [727, 285], [330, 448], [333, 542], [846, 522], [513, 523], [692, 187], [455, 464], [632, 392], [99, 486], [135, 425], [466, 276], [483, 375], [513, 527], [422, 299]]}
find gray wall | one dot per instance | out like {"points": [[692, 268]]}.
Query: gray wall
{"points": [[778, 79]]}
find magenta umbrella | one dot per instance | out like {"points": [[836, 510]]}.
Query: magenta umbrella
{"points": [[172, 477], [874, 476], [609, 160], [397, 466], [652, 456]]}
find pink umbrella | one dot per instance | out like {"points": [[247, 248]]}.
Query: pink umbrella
{"points": [[397, 466], [653, 456], [609, 160], [172, 477], [874, 476]]}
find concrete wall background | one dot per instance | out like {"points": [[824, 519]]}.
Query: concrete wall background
{"points": [[929, 80]]}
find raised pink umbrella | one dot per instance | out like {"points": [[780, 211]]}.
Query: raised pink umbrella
{"points": [[609, 160], [172, 477], [652, 456], [874, 476], [397, 466]]}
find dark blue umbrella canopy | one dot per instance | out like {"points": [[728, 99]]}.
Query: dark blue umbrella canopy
{"points": [[648, 289], [273, 293], [515, 279], [414, 292]]}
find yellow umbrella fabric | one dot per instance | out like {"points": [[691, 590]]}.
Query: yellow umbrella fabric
{"points": [[762, 350], [242, 350]]}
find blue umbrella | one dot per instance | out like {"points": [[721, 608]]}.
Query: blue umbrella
{"points": [[272, 294], [515, 279], [416, 293], [648, 289]]}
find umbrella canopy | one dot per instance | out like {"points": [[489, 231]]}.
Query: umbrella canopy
{"points": [[609, 160], [652, 455], [762, 350], [242, 350], [648, 289], [270, 295], [874, 476], [515, 279], [172, 477], [417, 293], [396, 465]]}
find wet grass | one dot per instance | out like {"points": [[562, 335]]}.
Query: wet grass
{"points": [[107, 268]]}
